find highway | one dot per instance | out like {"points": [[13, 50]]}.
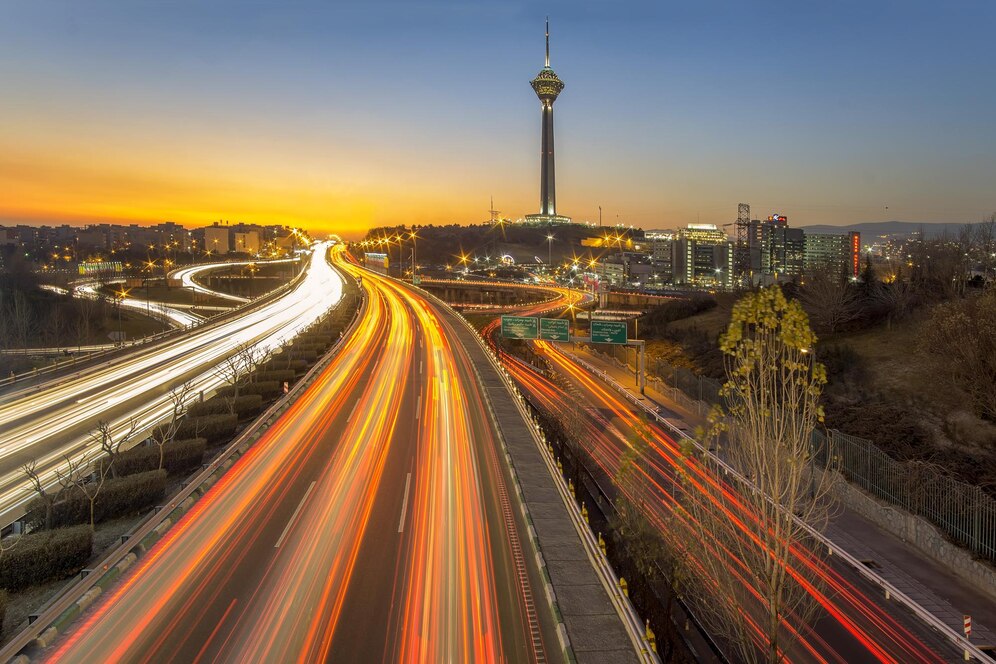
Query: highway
{"points": [[855, 623], [370, 523], [44, 422], [186, 276]]}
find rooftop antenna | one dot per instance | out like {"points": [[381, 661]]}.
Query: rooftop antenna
{"points": [[548, 41]]}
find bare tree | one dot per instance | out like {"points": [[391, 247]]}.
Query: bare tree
{"points": [[90, 478], [6, 330], [48, 499], [966, 333], [109, 447], [251, 356], [829, 298], [898, 298], [986, 243], [21, 318], [751, 529], [165, 432], [83, 321], [236, 370]]}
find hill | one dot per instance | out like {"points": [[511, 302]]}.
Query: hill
{"points": [[876, 228]]}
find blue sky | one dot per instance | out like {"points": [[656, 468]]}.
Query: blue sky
{"points": [[352, 114]]}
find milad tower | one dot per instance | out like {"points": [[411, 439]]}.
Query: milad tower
{"points": [[547, 86]]}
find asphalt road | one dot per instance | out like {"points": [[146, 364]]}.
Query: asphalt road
{"points": [[854, 624], [43, 423], [367, 524]]}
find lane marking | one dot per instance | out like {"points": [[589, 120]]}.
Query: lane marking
{"points": [[404, 505], [418, 407], [353, 411], [294, 516]]}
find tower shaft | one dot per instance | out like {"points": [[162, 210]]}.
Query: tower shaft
{"points": [[548, 183]]}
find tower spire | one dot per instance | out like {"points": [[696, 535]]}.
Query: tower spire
{"points": [[547, 41]]}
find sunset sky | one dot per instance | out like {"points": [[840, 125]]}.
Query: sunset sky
{"points": [[342, 116]]}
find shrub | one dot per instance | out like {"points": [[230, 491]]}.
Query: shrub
{"points": [[178, 456], [278, 376], [244, 404], [40, 557], [118, 497], [658, 317], [211, 427], [297, 366]]}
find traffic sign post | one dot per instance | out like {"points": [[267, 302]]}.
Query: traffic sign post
{"points": [[608, 332], [519, 327], [554, 329], [614, 332]]}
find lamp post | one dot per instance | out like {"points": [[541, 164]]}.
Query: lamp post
{"points": [[121, 294], [549, 251]]}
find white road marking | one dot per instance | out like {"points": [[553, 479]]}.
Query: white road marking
{"points": [[404, 505], [293, 516]]}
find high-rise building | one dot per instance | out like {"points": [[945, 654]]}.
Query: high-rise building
{"points": [[662, 254], [702, 256], [839, 252], [776, 251], [547, 86]]}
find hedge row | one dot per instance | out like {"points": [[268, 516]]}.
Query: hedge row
{"points": [[267, 389], [178, 456], [273, 375], [278, 364], [211, 427], [41, 557], [118, 497], [244, 404]]}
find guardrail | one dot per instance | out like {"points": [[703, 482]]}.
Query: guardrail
{"points": [[65, 608], [890, 591], [625, 610]]}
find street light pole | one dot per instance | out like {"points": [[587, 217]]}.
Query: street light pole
{"points": [[549, 251]]}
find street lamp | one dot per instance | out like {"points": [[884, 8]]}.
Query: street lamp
{"points": [[549, 250], [120, 296]]}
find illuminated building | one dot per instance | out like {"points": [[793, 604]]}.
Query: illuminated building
{"points": [[776, 251], [547, 86], [702, 256], [216, 239], [841, 252]]}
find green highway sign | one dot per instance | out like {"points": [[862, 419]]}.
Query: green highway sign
{"points": [[519, 327], [608, 332], [555, 329]]}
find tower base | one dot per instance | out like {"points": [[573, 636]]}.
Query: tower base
{"points": [[546, 219]]}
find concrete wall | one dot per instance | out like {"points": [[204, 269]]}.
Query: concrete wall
{"points": [[919, 533]]}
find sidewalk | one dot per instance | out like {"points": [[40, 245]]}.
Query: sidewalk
{"points": [[935, 588]]}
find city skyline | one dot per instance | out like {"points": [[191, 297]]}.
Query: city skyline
{"points": [[354, 116]]}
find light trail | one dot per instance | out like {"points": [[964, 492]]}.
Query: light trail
{"points": [[853, 623], [856, 622], [186, 276], [322, 481], [43, 423], [161, 310]]}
